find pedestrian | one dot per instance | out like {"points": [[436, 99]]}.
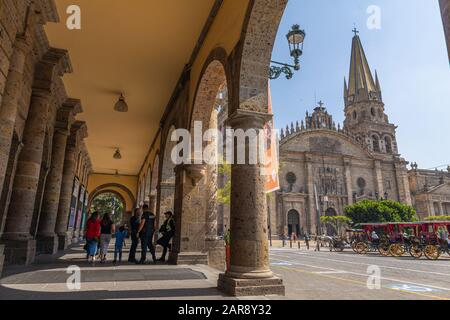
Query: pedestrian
{"points": [[135, 221], [168, 231], [307, 241], [107, 230], [93, 229], [121, 234], [145, 233]]}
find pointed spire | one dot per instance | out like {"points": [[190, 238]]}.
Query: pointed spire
{"points": [[345, 88], [360, 80], [378, 86]]}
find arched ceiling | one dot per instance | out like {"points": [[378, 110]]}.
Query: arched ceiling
{"points": [[136, 47]]}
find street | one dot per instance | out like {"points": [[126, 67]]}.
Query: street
{"points": [[344, 276]]}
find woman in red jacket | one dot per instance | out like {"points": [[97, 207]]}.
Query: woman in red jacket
{"points": [[93, 229]]}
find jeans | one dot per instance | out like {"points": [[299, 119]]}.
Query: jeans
{"points": [[134, 245], [105, 239], [118, 252], [147, 243], [92, 247]]}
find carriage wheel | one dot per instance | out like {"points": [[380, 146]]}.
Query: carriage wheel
{"points": [[383, 249], [415, 251], [432, 252], [361, 248], [397, 250], [354, 246]]}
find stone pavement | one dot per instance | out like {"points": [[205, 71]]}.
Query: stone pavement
{"points": [[47, 280]]}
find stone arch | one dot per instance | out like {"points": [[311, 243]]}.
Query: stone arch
{"points": [[154, 184], [376, 147], [166, 195], [388, 144], [126, 214], [257, 42], [210, 107], [126, 194], [249, 109]]}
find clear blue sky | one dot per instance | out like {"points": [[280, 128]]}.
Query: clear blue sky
{"points": [[409, 53]]}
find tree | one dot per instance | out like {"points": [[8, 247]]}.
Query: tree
{"points": [[336, 222], [224, 194], [438, 218], [368, 211], [108, 203]]}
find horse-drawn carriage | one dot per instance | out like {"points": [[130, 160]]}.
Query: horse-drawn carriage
{"points": [[396, 239]]}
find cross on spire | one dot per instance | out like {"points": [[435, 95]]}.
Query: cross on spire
{"points": [[321, 103], [355, 31]]}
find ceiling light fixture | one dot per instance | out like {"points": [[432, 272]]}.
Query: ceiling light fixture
{"points": [[117, 155], [121, 105]]}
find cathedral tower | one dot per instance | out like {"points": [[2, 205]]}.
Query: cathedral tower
{"points": [[364, 108]]}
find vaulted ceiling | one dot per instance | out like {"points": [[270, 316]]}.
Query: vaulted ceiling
{"points": [[136, 47]]}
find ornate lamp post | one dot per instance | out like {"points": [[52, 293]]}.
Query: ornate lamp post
{"points": [[296, 38]]}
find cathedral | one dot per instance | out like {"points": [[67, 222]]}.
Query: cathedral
{"points": [[325, 167]]}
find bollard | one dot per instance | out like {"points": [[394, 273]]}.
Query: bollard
{"points": [[291, 244], [284, 243], [299, 244]]}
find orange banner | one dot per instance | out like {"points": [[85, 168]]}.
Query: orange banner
{"points": [[271, 144]]}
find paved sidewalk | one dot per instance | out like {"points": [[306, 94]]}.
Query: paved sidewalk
{"points": [[47, 280]]}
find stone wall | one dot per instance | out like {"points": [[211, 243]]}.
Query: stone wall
{"points": [[31, 95]]}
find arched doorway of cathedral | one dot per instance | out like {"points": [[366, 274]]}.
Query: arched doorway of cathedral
{"points": [[331, 212], [294, 223]]}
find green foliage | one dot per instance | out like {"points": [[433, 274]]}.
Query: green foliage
{"points": [[337, 222], [224, 194], [438, 218], [368, 211], [108, 203]]}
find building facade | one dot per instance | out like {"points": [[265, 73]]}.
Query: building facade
{"points": [[326, 167]]}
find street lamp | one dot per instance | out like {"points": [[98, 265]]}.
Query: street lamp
{"points": [[295, 38]]}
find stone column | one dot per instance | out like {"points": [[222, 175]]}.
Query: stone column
{"points": [[153, 203], [190, 207], [65, 198], [9, 104], [47, 240], [250, 273], [20, 247], [348, 180], [441, 209], [312, 210], [379, 179]]}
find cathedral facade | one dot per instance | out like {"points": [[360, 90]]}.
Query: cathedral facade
{"points": [[325, 167]]}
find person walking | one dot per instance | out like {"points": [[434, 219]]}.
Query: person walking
{"points": [[168, 231], [121, 234], [307, 241], [145, 233], [93, 230], [107, 230], [135, 221]]}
